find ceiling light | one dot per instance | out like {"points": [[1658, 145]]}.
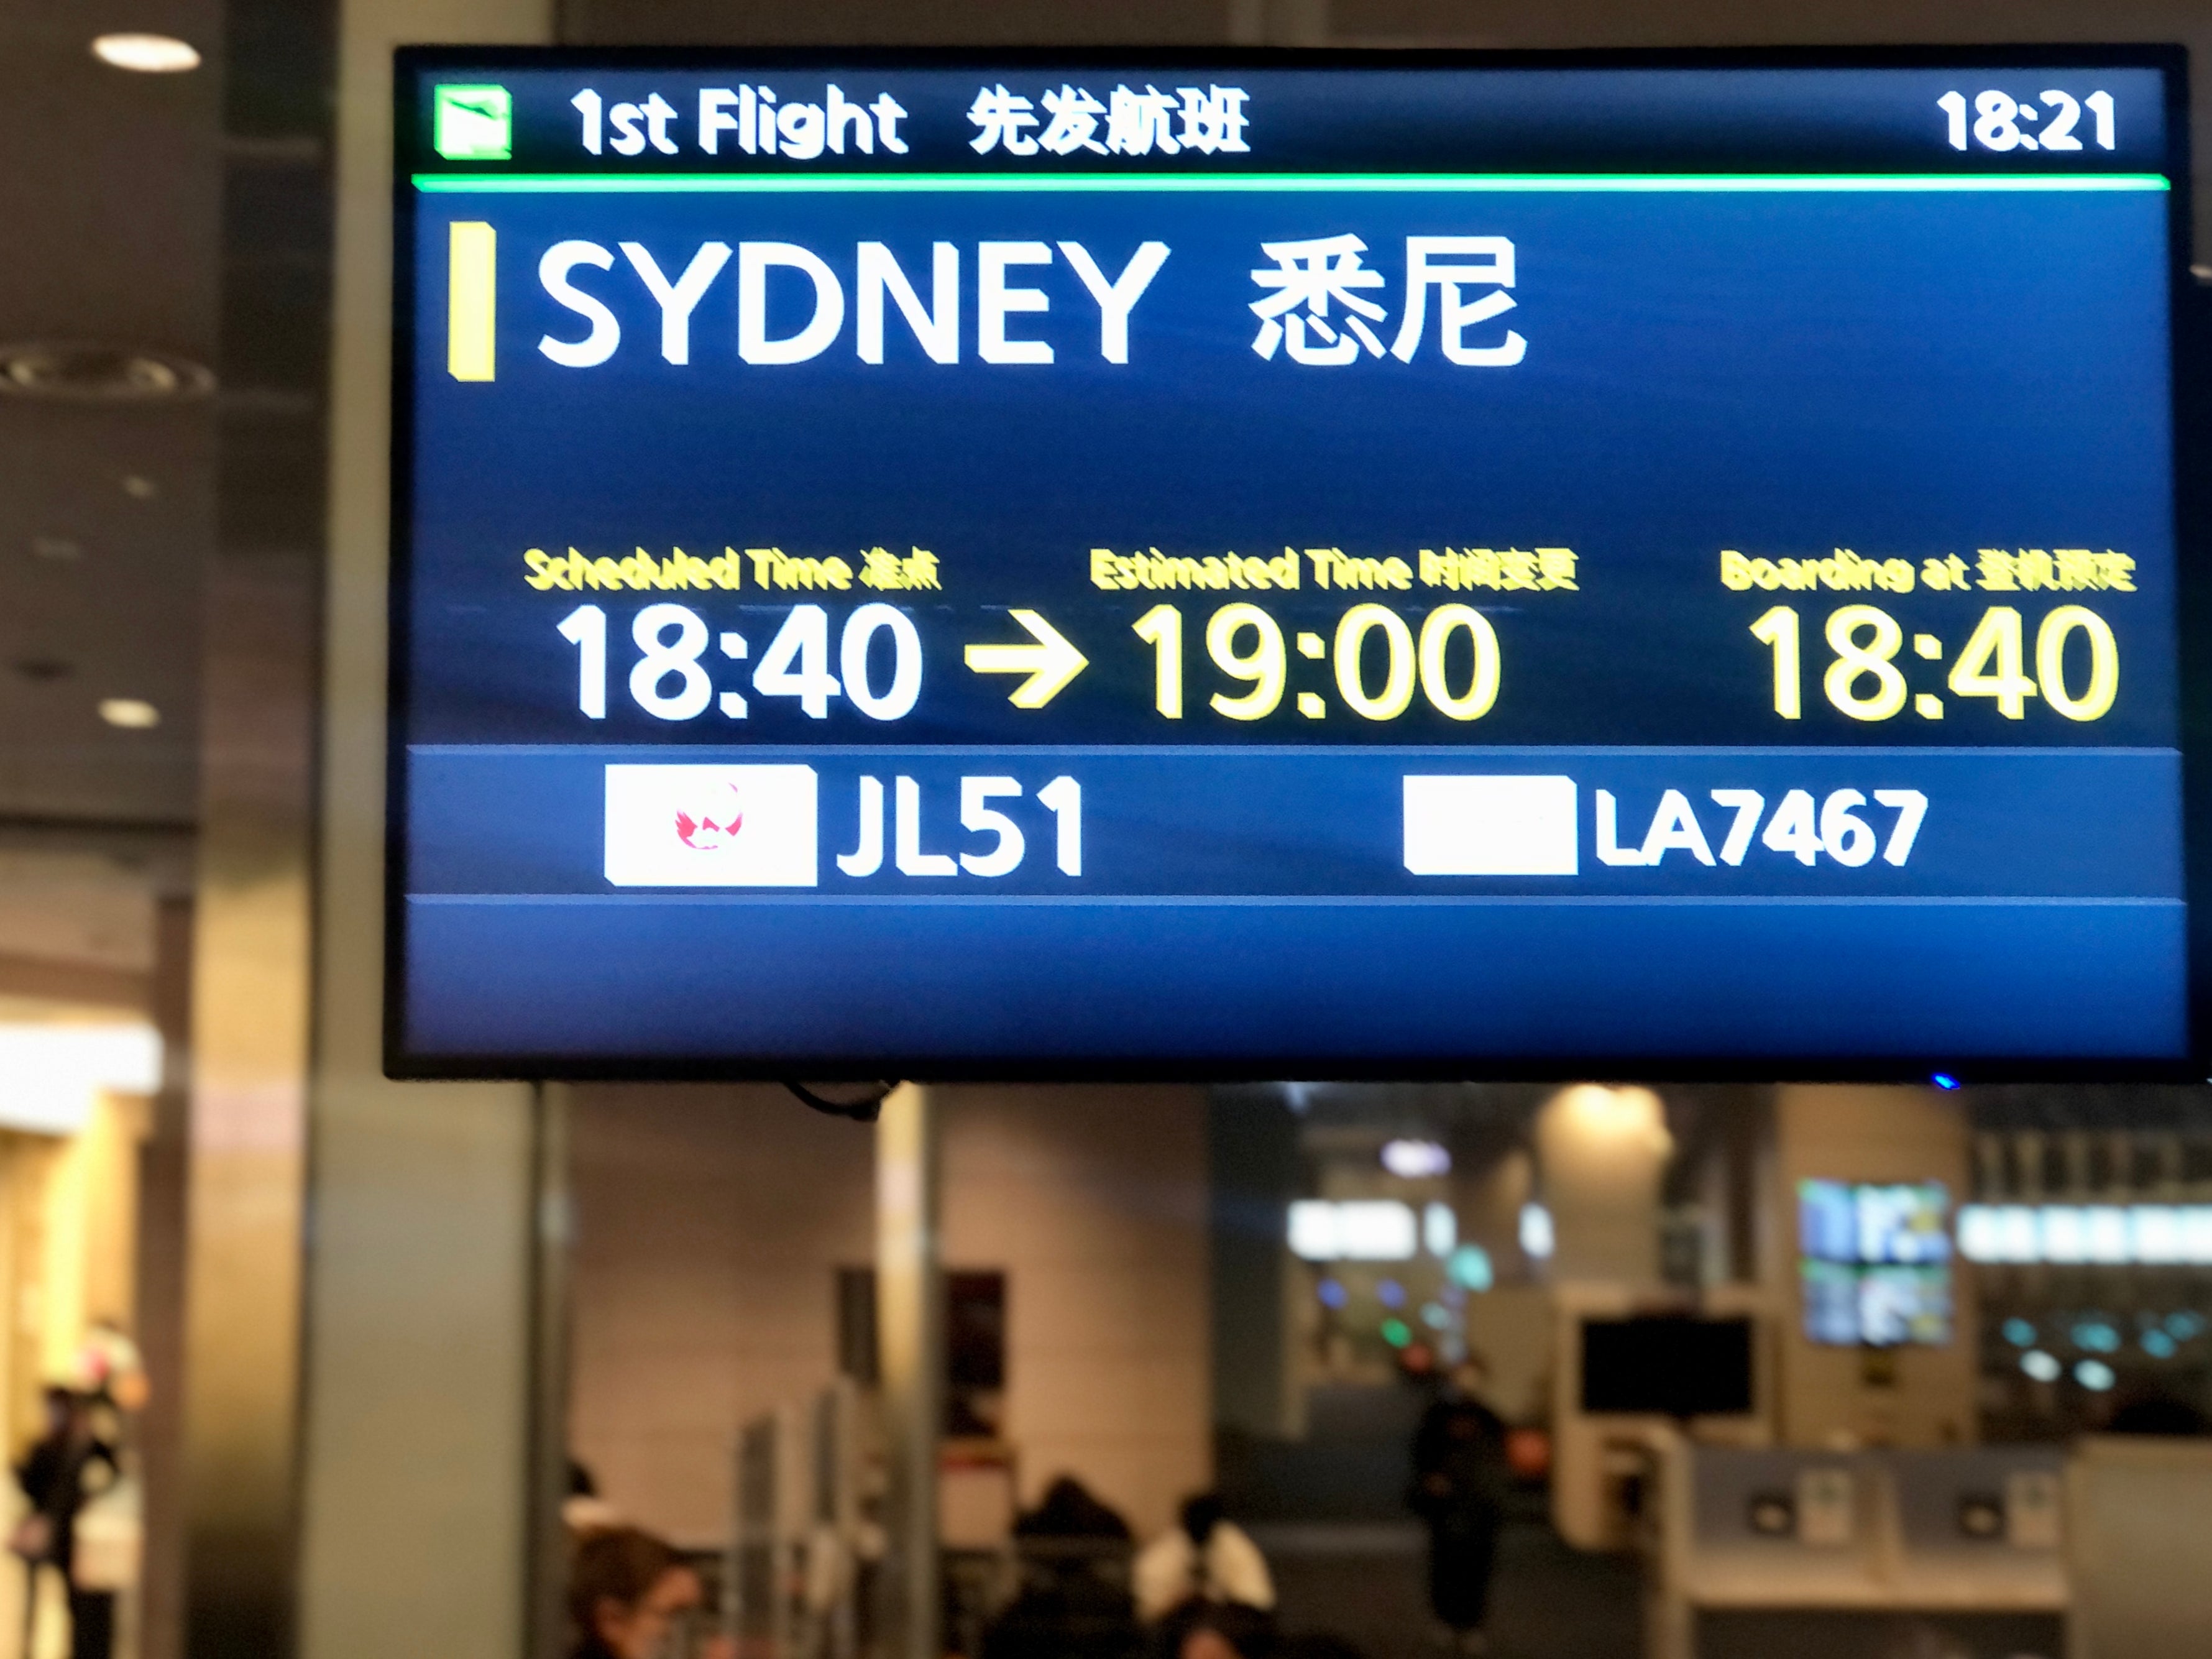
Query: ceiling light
{"points": [[138, 487], [1440, 1230], [1412, 1159], [147, 54], [2095, 1376], [1470, 1268], [86, 372], [132, 713], [1358, 1230], [55, 1070]]}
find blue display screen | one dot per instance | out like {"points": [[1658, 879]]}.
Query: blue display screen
{"points": [[1874, 1265], [933, 568]]}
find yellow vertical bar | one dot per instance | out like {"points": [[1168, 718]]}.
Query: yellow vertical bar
{"points": [[472, 305]]}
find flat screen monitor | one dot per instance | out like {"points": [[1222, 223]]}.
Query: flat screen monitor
{"points": [[1299, 565], [1874, 1266], [1667, 1367]]}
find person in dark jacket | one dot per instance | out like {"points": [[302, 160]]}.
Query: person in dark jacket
{"points": [[1073, 1550], [1070, 1510], [1460, 1483], [65, 1469], [1200, 1629]]}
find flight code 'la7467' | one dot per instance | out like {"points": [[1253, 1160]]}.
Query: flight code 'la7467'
{"points": [[1461, 824], [1794, 828]]}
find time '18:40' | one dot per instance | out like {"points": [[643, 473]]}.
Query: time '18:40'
{"points": [[1863, 681]]}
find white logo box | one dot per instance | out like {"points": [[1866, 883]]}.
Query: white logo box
{"points": [[1491, 825], [712, 826]]}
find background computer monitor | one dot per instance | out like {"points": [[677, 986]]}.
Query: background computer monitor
{"points": [[1668, 1367], [1874, 1262]]}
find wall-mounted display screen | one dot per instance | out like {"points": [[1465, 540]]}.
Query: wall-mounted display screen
{"points": [[913, 565], [1874, 1266]]}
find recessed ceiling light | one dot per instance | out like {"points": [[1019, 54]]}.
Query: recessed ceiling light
{"points": [[1415, 1158], [132, 713], [140, 488], [147, 54], [77, 371], [59, 550]]}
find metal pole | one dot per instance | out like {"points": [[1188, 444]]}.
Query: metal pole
{"points": [[844, 1516], [411, 1529], [733, 1567], [787, 1612], [910, 1337], [545, 1608]]}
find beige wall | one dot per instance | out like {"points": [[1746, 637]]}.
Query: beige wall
{"points": [[106, 1201], [711, 1222], [1094, 1201], [1873, 1134], [67, 1222], [1602, 1153]]}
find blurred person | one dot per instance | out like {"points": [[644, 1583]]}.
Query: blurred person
{"points": [[109, 1366], [60, 1474], [1200, 1629], [1072, 1551], [583, 1510], [1460, 1484], [1205, 1558], [630, 1594], [1071, 1510]]}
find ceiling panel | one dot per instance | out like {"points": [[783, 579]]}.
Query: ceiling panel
{"points": [[113, 199]]}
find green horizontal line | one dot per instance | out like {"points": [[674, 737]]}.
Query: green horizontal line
{"points": [[716, 184]]}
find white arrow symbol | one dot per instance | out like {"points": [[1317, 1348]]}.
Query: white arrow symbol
{"points": [[1050, 663]]}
